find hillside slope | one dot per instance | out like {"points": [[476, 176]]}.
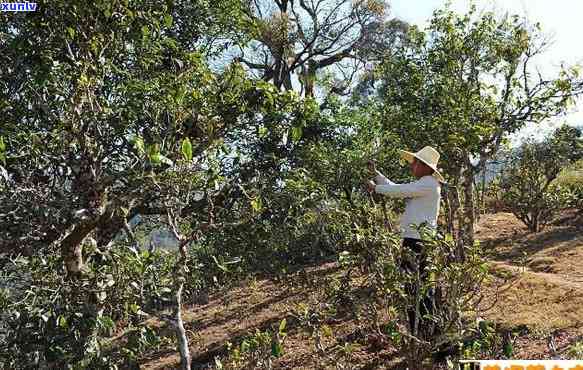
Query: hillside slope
{"points": [[544, 295], [535, 294]]}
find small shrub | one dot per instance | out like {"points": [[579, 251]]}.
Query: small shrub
{"points": [[54, 321], [525, 186], [531, 183], [256, 351], [575, 351], [570, 184], [452, 288]]}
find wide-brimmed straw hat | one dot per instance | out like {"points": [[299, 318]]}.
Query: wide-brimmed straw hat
{"points": [[427, 155]]}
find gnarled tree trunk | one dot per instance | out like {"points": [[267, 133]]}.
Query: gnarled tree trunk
{"points": [[72, 248]]}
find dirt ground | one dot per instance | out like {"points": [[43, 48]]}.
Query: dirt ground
{"points": [[544, 292], [262, 304], [536, 292]]}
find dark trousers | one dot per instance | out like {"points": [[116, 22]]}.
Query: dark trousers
{"points": [[413, 258]]}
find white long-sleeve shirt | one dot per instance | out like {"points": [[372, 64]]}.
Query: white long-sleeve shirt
{"points": [[422, 198]]}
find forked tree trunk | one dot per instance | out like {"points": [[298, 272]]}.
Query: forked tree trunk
{"points": [[72, 248]]}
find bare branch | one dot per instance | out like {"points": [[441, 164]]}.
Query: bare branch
{"points": [[251, 64], [172, 224]]}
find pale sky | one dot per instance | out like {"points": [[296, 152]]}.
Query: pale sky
{"points": [[562, 19]]}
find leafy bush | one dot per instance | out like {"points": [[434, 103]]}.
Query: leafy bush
{"points": [[452, 285], [525, 185], [575, 351], [528, 181], [570, 184], [255, 351], [51, 320]]}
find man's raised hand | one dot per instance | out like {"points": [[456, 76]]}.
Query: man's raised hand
{"points": [[370, 186]]}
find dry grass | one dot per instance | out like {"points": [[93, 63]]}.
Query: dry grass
{"points": [[538, 301], [540, 281]]}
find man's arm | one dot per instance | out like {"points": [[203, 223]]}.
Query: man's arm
{"points": [[380, 179], [409, 190]]}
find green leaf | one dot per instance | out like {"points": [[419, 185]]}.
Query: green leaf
{"points": [[245, 346], [71, 32], [276, 349], [327, 331], [256, 204], [154, 153], [145, 31], [262, 131], [508, 349], [187, 149], [180, 91], [62, 321], [107, 11], [282, 325], [168, 20], [155, 158], [296, 134], [2, 150], [219, 265], [107, 322], [134, 308]]}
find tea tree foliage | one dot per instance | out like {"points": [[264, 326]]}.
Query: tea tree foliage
{"points": [[99, 123], [527, 183], [183, 114], [463, 86]]}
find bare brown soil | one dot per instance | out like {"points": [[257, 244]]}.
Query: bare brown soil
{"points": [[536, 290], [262, 304], [543, 292]]}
